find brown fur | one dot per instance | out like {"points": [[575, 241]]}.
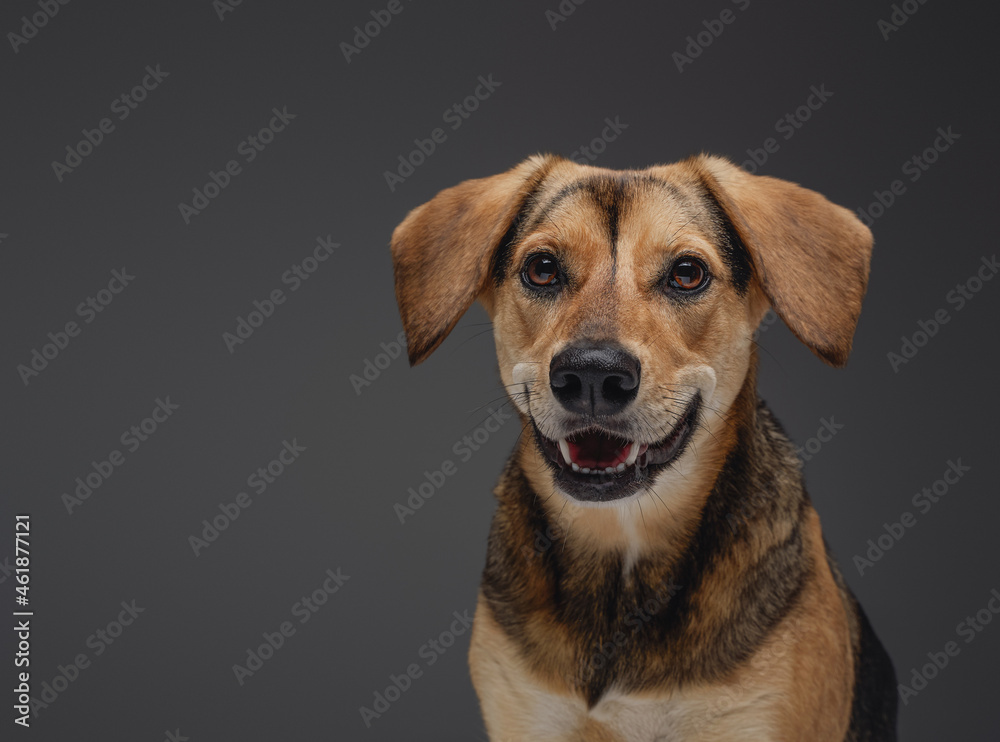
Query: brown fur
{"points": [[711, 585]]}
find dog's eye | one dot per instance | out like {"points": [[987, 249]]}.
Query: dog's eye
{"points": [[541, 270], [688, 274]]}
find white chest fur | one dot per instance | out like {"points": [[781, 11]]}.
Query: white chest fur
{"points": [[735, 713]]}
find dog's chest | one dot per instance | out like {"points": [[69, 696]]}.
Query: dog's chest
{"points": [[718, 714], [519, 703]]}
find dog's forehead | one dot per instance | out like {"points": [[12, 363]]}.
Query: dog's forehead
{"points": [[610, 196]]}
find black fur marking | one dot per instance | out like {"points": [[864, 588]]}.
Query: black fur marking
{"points": [[734, 251], [670, 188], [873, 712], [563, 193], [500, 262], [609, 195]]}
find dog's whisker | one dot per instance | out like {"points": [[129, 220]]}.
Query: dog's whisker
{"points": [[499, 402], [643, 517], [770, 354], [657, 496], [463, 342]]}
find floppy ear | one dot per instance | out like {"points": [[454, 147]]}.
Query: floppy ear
{"points": [[810, 255], [442, 251]]}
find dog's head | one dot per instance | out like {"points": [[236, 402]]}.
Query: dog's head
{"points": [[624, 302]]}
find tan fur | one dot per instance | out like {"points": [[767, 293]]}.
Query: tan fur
{"points": [[820, 661], [808, 259], [441, 253]]}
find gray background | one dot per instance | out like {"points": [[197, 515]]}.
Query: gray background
{"points": [[323, 176]]}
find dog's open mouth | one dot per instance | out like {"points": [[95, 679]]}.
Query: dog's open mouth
{"points": [[598, 465]]}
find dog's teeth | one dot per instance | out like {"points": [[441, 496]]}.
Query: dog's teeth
{"points": [[633, 453], [620, 467], [585, 469], [576, 467], [564, 450], [609, 470]]}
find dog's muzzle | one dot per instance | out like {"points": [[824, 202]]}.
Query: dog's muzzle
{"points": [[596, 463]]}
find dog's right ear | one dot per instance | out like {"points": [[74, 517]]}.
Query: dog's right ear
{"points": [[442, 251]]}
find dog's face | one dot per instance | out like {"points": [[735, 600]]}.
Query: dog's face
{"points": [[622, 316], [624, 302]]}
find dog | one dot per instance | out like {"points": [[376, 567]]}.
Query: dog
{"points": [[655, 569]]}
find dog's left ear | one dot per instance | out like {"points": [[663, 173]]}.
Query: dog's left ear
{"points": [[810, 255], [442, 251]]}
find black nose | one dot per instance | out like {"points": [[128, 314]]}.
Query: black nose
{"points": [[595, 380]]}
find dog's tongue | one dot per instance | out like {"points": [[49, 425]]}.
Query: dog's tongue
{"points": [[597, 451]]}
